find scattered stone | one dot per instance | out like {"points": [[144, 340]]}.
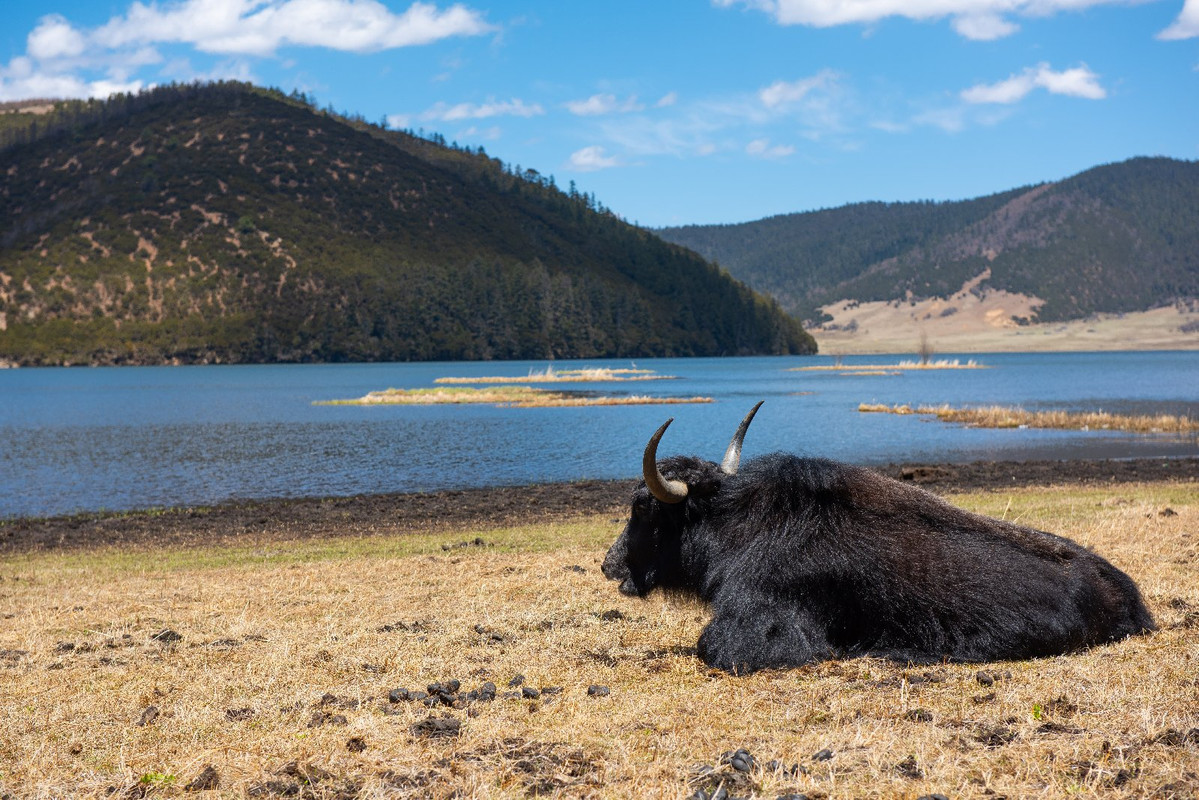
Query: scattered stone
{"points": [[1172, 737], [980, 699], [330, 699], [64, 647], [740, 760], [575, 568], [1167, 512], [919, 715], [595, 690], [398, 695], [528, 692], [492, 636], [612, 615], [932, 797], [476, 542], [910, 768], [517, 680], [1061, 707], [1057, 727], [356, 744], [990, 678], [207, 779], [823, 755], [793, 771], [167, 636], [148, 716], [551, 690], [12, 656], [995, 735], [239, 714], [437, 727]]}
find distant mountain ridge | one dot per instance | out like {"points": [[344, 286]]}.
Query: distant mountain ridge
{"points": [[1117, 238], [229, 223]]}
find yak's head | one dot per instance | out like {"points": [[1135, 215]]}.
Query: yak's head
{"points": [[674, 495]]}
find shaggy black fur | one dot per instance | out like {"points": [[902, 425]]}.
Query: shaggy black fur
{"points": [[805, 559]]}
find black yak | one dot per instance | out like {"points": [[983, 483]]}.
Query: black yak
{"points": [[804, 559]]}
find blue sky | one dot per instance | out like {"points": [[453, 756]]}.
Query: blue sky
{"points": [[681, 111]]}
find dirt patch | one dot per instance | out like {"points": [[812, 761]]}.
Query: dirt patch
{"points": [[478, 509]]}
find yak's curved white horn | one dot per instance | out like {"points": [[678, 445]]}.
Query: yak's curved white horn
{"points": [[666, 490], [732, 456]]}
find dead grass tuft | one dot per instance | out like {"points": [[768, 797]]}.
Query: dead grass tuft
{"points": [[1006, 417], [278, 677]]}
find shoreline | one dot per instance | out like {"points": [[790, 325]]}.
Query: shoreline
{"points": [[462, 511]]}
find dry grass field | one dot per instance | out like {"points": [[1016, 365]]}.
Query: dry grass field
{"points": [[266, 670]]}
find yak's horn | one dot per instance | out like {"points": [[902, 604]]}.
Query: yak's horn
{"points": [[668, 491], [732, 456]]}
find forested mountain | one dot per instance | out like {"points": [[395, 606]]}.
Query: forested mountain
{"points": [[229, 223], [1121, 237]]}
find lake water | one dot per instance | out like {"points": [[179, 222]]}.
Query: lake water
{"points": [[135, 437]]}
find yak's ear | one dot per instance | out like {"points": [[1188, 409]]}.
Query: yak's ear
{"points": [[732, 456]]}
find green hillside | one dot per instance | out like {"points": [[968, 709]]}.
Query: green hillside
{"points": [[227, 223], [1117, 238]]}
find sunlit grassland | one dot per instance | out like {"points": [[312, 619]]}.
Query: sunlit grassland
{"points": [[1009, 417], [269, 630]]}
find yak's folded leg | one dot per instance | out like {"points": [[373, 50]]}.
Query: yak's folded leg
{"points": [[749, 633]]}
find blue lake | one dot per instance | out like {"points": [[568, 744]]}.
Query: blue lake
{"points": [[135, 437]]}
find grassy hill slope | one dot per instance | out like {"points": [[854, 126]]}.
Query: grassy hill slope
{"points": [[1121, 237], [228, 223]]}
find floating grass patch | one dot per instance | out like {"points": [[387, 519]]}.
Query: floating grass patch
{"points": [[507, 397], [550, 375], [885, 369], [1007, 417]]}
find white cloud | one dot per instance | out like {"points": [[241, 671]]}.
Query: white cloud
{"points": [[762, 148], [983, 27], [259, 27], [54, 37], [599, 104], [62, 60], [508, 108], [667, 100], [1076, 82], [1187, 24], [973, 19], [592, 158], [782, 93]]}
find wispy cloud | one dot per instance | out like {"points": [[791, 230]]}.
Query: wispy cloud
{"points": [[762, 148], [515, 107], [784, 93], [973, 19], [599, 104], [593, 158], [1076, 82], [1187, 24], [667, 100]]}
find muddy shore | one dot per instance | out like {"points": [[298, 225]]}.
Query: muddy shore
{"points": [[462, 511]]}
